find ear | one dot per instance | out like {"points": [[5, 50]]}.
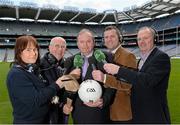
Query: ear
{"points": [[50, 47]]}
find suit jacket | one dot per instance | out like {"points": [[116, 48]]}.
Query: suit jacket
{"points": [[120, 110], [150, 84], [88, 115]]}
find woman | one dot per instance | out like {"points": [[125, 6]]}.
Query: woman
{"points": [[30, 97]]}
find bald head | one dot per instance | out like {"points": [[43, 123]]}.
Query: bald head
{"points": [[149, 29], [57, 40], [57, 47]]}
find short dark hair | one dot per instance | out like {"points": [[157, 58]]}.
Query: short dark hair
{"points": [[119, 34], [21, 44]]}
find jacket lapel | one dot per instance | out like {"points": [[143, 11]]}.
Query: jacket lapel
{"points": [[148, 60], [117, 54]]}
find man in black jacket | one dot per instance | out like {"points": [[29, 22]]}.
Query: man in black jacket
{"points": [[52, 67]]}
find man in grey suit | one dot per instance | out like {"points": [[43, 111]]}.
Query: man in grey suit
{"points": [[150, 82]]}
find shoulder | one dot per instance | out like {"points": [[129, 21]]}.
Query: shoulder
{"points": [[107, 53], [15, 73], [124, 51], [159, 57], [68, 62], [44, 57], [15, 70], [69, 59], [44, 60], [159, 53], [109, 56], [124, 54]]}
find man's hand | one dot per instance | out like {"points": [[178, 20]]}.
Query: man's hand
{"points": [[59, 82], [67, 110], [98, 75], [111, 68], [68, 82], [76, 72], [98, 103]]}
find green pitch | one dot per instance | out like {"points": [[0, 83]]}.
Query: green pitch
{"points": [[173, 93]]}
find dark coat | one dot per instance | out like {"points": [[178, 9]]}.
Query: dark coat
{"points": [[51, 70], [150, 84], [29, 96], [83, 113]]}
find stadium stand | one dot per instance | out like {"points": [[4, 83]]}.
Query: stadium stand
{"points": [[2, 55], [48, 21]]}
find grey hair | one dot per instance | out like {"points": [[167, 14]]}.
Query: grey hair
{"points": [[86, 31], [153, 32], [59, 38]]}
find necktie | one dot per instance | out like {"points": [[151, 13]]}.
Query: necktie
{"points": [[85, 66]]}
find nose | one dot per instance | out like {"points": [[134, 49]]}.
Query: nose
{"points": [[108, 38], [84, 44], [140, 40], [34, 52]]}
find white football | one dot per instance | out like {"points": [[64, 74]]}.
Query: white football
{"points": [[89, 91]]}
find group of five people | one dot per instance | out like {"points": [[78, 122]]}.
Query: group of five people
{"points": [[132, 92]]}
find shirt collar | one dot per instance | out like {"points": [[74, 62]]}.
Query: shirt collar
{"points": [[145, 55], [87, 56], [114, 51]]}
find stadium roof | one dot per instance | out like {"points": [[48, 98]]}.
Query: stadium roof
{"points": [[51, 13]]}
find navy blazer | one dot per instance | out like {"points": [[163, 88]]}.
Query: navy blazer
{"points": [[29, 96], [150, 84], [83, 114]]}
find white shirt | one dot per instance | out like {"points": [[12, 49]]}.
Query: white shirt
{"points": [[114, 51]]}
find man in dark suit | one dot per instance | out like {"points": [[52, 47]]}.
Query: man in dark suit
{"points": [[120, 110], [150, 83], [91, 112]]}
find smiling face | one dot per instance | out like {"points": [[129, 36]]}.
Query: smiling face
{"points": [[111, 39], [85, 42], [30, 54], [57, 47], [145, 40], [26, 50]]}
